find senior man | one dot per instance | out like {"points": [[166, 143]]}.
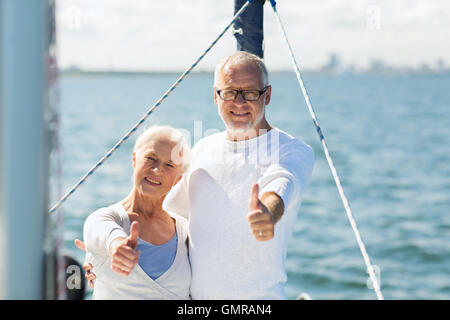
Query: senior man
{"points": [[243, 191]]}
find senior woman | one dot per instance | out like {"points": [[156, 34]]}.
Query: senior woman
{"points": [[138, 250]]}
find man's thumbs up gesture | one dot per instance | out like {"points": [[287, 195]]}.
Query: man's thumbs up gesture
{"points": [[259, 217], [123, 251]]}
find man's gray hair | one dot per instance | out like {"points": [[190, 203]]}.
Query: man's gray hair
{"points": [[240, 57]]}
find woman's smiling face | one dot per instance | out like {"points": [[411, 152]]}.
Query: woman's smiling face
{"points": [[156, 169]]}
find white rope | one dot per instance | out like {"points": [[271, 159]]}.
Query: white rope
{"points": [[350, 217], [147, 114]]}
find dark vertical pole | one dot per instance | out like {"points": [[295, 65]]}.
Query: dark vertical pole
{"points": [[248, 28]]}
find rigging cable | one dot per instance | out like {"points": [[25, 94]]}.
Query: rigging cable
{"points": [[149, 112], [345, 202], [56, 264]]}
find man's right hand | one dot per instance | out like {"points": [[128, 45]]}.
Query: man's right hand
{"points": [[124, 256]]}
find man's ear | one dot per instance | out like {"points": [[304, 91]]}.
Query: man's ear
{"points": [[215, 95], [268, 95], [134, 159]]}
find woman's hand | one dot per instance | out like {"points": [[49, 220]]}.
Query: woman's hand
{"points": [[124, 256], [89, 275]]}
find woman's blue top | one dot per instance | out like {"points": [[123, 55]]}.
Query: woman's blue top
{"points": [[155, 260]]}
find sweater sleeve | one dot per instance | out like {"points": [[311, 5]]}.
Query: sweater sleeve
{"points": [[290, 176], [100, 229], [177, 200]]}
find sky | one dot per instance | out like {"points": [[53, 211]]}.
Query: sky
{"points": [[151, 35]]}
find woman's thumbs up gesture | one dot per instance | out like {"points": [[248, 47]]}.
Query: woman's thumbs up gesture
{"points": [[123, 251]]}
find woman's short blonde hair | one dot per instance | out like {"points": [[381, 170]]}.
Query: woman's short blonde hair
{"points": [[174, 135]]}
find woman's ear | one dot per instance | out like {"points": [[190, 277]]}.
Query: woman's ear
{"points": [[134, 159], [178, 179]]}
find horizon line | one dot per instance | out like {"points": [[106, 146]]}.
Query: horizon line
{"points": [[388, 71]]}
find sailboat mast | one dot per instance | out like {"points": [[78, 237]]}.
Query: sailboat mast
{"points": [[23, 148]]}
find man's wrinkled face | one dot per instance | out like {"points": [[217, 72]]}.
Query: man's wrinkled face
{"points": [[240, 115]]}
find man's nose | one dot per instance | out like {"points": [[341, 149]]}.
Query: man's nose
{"points": [[239, 97]]}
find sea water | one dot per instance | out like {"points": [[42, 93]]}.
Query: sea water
{"points": [[389, 140]]}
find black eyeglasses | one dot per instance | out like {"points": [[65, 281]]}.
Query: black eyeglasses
{"points": [[247, 95]]}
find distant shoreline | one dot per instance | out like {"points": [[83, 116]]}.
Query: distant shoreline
{"points": [[306, 72]]}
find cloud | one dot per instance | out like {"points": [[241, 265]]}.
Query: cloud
{"points": [[156, 35]]}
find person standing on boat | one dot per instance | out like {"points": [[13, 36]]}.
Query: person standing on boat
{"points": [[137, 249], [219, 193], [243, 191]]}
